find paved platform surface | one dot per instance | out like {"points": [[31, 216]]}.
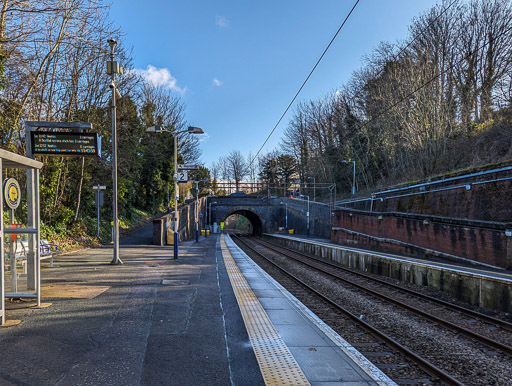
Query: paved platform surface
{"points": [[150, 321]]}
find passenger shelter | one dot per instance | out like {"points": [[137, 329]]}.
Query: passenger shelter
{"points": [[32, 278]]}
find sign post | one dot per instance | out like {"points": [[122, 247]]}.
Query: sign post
{"points": [[99, 203], [181, 177], [50, 127], [12, 194]]}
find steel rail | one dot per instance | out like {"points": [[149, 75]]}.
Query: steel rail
{"points": [[485, 318], [470, 334], [425, 365]]}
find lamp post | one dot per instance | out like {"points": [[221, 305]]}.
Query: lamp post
{"points": [[205, 217], [314, 187], [286, 216], [307, 215], [353, 177], [210, 215], [113, 68], [197, 210], [190, 130]]}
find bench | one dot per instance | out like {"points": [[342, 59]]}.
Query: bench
{"points": [[46, 251]]}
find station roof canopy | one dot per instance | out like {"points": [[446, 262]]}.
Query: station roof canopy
{"points": [[16, 161]]}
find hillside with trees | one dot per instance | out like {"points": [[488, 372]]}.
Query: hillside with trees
{"points": [[436, 102], [53, 68]]}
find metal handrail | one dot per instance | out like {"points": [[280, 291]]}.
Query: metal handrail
{"points": [[374, 195]]}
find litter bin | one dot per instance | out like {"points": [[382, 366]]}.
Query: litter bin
{"points": [[291, 231], [202, 232]]}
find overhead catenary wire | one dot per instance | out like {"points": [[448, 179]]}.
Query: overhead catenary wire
{"points": [[305, 81], [324, 52], [403, 49]]}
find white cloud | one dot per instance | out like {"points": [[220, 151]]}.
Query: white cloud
{"points": [[217, 82], [221, 21], [160, 77], [203, 138]]}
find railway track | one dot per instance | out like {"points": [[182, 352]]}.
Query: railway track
{"points": [[429, 314], [458, 318]]}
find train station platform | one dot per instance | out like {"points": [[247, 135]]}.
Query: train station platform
{"points": [[211, 317], [448, 265], [480, 285]]}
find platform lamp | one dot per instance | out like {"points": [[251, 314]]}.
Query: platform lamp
{"points": [[307, 215], [197, 209], [190, 130], [314, 187], [286, 216]]}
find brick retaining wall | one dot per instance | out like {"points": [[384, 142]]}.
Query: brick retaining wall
{"points": [[482, 242], [482, 197], [187, 228]]}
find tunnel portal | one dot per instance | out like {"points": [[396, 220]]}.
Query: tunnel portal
{"points": [[254, 219]]}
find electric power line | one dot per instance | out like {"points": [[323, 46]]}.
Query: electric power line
{"points": [[304, 83], [328, 46]]}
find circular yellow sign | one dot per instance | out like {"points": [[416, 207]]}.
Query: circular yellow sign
{"points": [[12, 193]]}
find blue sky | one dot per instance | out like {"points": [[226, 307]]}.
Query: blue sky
{"points": [[237, 64]]}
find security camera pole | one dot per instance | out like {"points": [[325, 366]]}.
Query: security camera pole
{"points": [[113, 68]]}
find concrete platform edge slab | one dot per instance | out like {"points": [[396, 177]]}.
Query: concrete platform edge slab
{"points": [[277, 364], [369, 368]]}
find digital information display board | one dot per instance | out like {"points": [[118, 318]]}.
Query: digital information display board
{"points": [[65, 143]]}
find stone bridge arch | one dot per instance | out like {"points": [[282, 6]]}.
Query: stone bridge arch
{"points": [[267, 215]]}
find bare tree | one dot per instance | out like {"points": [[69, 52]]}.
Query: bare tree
{"points": [[237, 167], [252, 167], [403, 112]]}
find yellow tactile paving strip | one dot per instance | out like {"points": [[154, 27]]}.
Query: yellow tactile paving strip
{"points": [[277, 364]]}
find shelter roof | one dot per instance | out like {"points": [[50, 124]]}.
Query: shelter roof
{"points": [[15, 161]]}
